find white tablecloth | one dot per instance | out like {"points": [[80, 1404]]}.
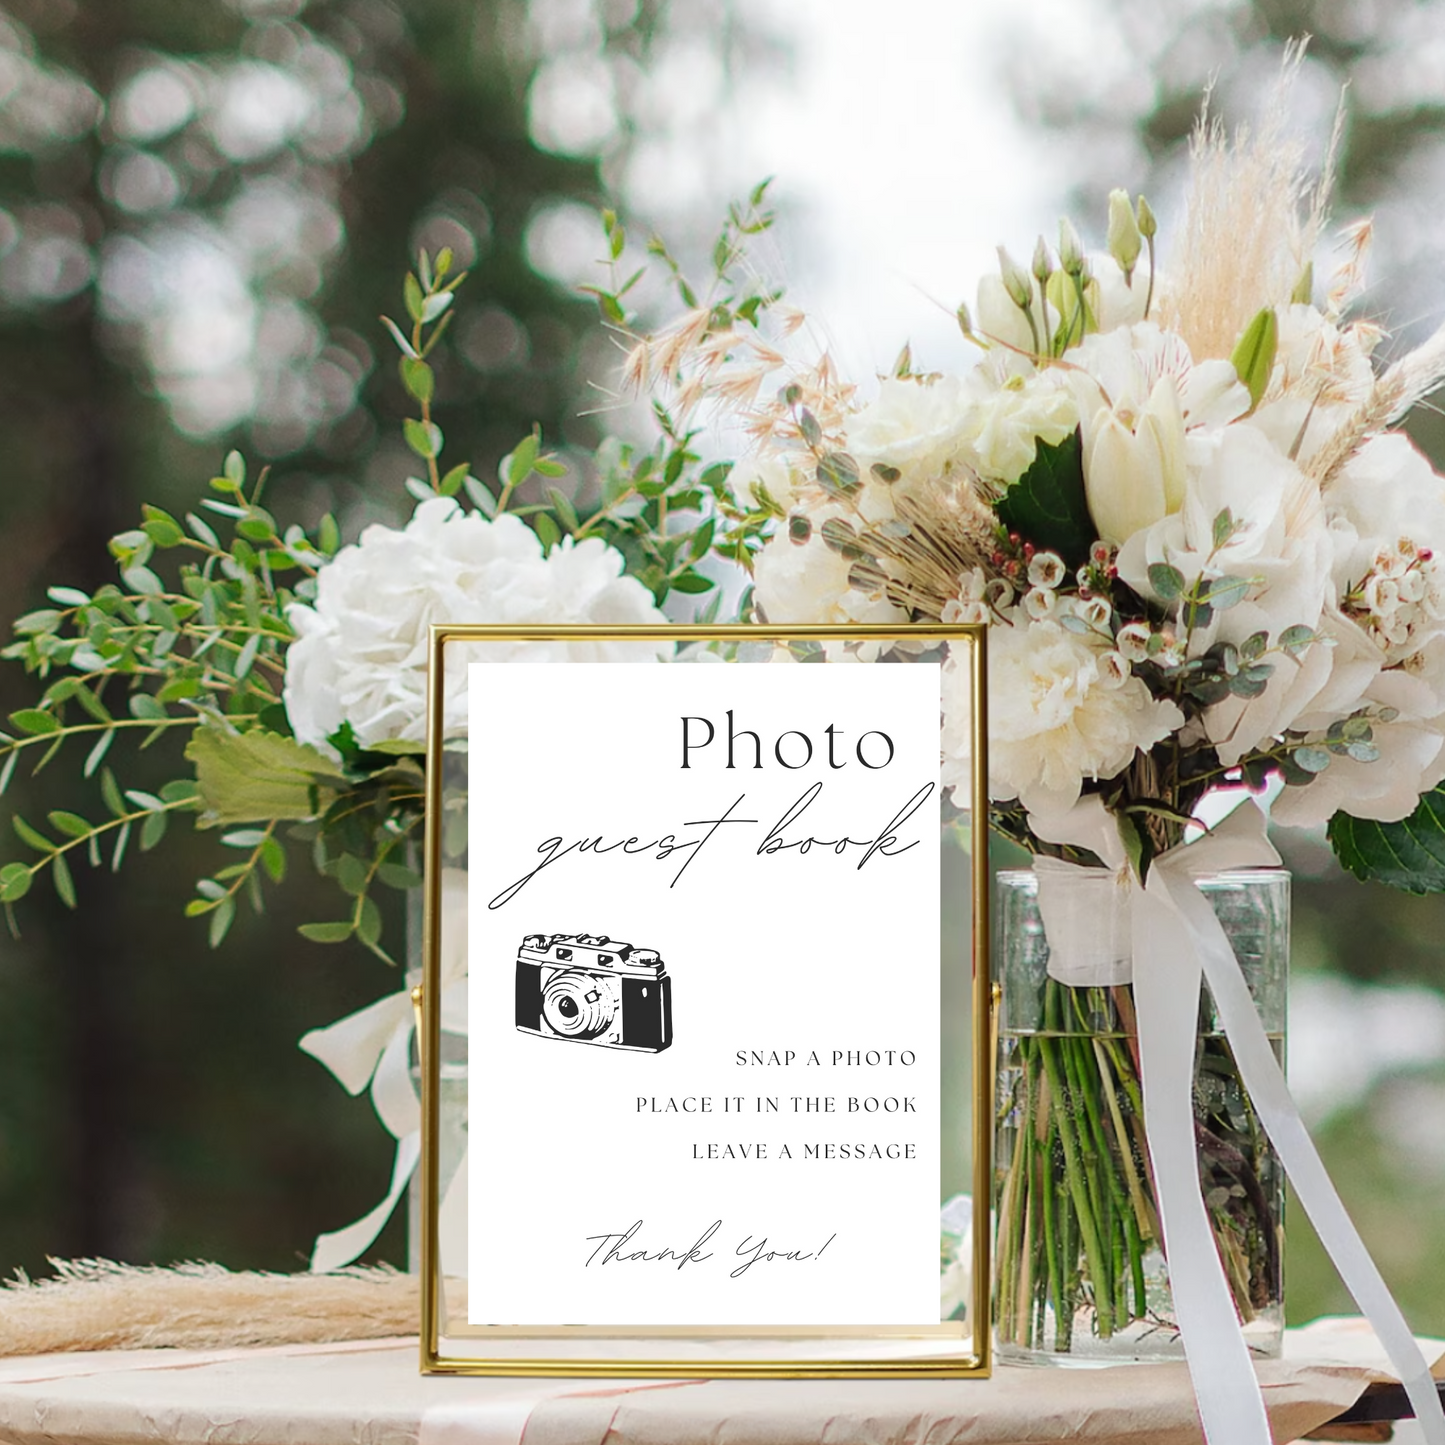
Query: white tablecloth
{"points": [[370, 1393]]}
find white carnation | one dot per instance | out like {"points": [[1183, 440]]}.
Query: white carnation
{"points": [[917, 427], [1062, 710], [1023, 412], [360, 653]]}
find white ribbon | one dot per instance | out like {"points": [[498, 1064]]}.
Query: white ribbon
{"points": [[1177, 940], [373, 1047]]}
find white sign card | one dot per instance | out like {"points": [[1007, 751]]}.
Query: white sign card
{"points": [[703, 914]]}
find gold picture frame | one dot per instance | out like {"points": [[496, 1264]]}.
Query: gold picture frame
{"points": [[955, 1349]]}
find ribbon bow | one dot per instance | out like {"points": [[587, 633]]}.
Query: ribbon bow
{"points": [[1173, 942], [373, 1047]]}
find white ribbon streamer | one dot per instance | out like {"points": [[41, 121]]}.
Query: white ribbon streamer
{"points": [[1178, 941], [373, 1047]]}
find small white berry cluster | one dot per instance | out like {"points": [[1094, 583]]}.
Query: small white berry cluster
{"points": [[1401, 597], [979, 599]]}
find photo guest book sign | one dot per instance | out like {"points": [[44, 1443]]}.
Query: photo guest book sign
{"points": [[705, 1041]]}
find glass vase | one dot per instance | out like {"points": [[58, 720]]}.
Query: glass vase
{"points": [[1079, 1274]]}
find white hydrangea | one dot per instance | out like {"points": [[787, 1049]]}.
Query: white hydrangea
{"points": [[360, 654]]}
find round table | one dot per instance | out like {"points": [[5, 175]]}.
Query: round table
{"points": [[371, 1393]]}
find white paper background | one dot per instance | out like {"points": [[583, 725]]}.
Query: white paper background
{"points": [[768, 953]]}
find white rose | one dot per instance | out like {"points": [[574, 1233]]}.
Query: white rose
{"points": [[1063, 709], [360, 653]]}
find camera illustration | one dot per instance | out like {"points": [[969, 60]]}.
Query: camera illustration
{"points": [[593, 991]]}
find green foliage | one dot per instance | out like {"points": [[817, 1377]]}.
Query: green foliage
{"points": [[1047, 504], [1409, 855], [192, 642]]}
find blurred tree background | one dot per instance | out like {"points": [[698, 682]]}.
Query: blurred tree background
{"points": [[203, 211], [1368, 1016]]}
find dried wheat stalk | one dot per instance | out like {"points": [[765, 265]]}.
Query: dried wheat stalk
{"points": [[93, 1304]]}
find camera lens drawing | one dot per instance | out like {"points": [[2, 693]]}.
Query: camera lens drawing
{"points": [[591, 989]]}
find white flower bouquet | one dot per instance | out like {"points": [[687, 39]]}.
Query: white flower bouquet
{"points": [[1209, 563]]}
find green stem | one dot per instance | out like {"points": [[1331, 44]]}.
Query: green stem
{"points": [[1076, 1180]]}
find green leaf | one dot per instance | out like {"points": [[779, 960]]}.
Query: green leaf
{"points": [[368, 923], [433, 306], [412, 295], [33, 720], [351, 874], [36, 623], [32, 836], [234, 469], [142, 580], [398, 336], [424, 438], [396, 875], [15, 881], [162, 528], [247, 657], [691, 581], [71, 824], [562, 505], [96, 755], [1409, 855], [68, 596], [153, 830], [8, 771], [244, 838], [452, 483], [1223, 527], [1227, 592], [517, 465], [547, 531], [221, 921], [325, 932], [1047, 503], [259, 775], [1253, 356], [808, 426], [122, 837], [64, 883], [418, 379], [273, 859], [201, 532], [838, 474], [398, 748], [1311, 759], [1167, 581], [1294, 640]]}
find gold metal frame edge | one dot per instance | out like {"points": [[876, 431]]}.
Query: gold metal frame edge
{"points": [[975, 1363]]}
